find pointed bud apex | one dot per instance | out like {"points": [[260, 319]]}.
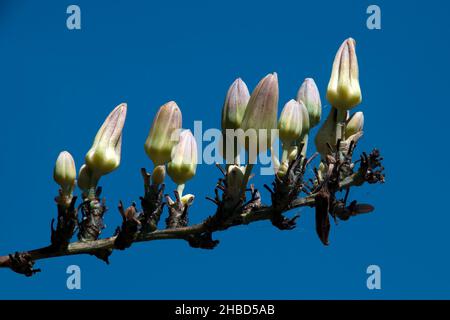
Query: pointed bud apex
{"points": [[327, 134], [183, 165], [104, 155], [344, 91], [164, 133], [65, 173], [291, 122], [234, 106], [159, 173], [261, 111], [355, 124], [86, 179], [309, 95]]}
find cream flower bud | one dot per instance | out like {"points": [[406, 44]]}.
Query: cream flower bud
{"points": [[291, 122], [292, 153], [305, 118], [322, 171], [326, 134], [235, 177], [344, 91], [275, 160], [86, 179], [183, 165], [282, 170], [234, 106], [104, 155], [187, 199], [355, 124], [261, 111], [309, 95], [164, 133], [64, 172]]}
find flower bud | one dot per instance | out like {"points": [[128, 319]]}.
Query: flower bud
{"points": [[326, 134], [292, 153], [104, 155], [309, 95], [86, 179], [282, 170], [322, 171], [290, 123], [235, 178], [305, 119], [355, 124], [275, 160], [261, 111], [164, 133], [234, 106], [344, 91], [64, 172], [183, 165], [159, 173], [353, 138], [187, 199]]}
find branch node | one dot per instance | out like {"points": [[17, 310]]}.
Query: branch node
{"points": [[152, 204], [103, 254], [202, 241], [178, 213], [67, 222], [21, 262], [91, 224], [127, 233]]}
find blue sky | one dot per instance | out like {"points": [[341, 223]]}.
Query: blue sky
{"points": [[57, 86]]}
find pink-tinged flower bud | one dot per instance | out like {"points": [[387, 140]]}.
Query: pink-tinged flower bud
{"points": [[234, 106], [344, 91], [355, 124], [183, 165], [261, 111], [290, 123], [104, 155], [65, 173], [164, 133], [309, 95]]}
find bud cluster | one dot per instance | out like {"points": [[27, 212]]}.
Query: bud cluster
{"points": [[173, 150]]}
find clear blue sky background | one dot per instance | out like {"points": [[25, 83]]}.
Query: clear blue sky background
{"points": [[57, 86]]}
